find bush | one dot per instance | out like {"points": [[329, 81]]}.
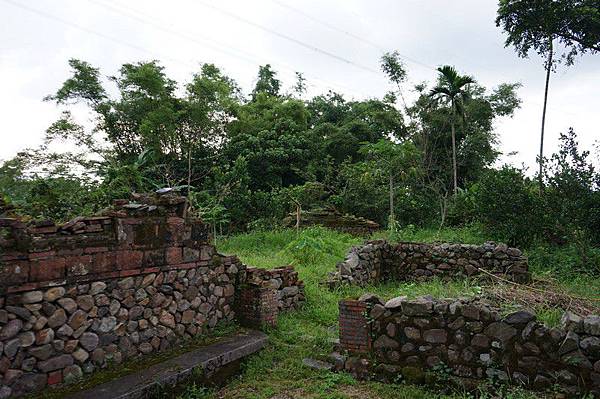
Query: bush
{"points": [[314, 243], [507, 206]]}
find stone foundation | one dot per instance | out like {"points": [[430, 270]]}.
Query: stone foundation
{"points": [[334, 220], [135, 280], [473, 340], [378, 261]]}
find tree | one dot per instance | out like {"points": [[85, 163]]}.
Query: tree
{"points": [[537, 24], [300, 86], [397, 161], [209, 108], [394, 68], [452, 88], [267, 82]]}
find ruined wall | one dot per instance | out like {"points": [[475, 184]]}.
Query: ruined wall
{"points": [[332, 219], [402, 338], [289, 290], [94, 291], [266, 293], [378, 261]]}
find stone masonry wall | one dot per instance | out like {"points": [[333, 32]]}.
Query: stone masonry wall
{"points": [[381, 261], [137, 279], [289, 290], [474, 341]]}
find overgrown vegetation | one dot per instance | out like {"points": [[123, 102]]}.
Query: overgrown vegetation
{"points": [[426, 170], [246, 163], [277, 371]]}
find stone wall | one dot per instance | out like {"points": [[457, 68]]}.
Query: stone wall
{"points": [[137, 279], [377, 261], [289, 290], [471, 338], [333, 219]]}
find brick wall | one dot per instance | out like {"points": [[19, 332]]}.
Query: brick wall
{"points": [[257, 306], [129, 239], [354, 331], [473, 340], [136, 279]]}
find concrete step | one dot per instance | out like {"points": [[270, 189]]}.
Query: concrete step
{"points": [[168, 373]]}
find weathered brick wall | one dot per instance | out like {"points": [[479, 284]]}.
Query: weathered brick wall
{"points": [[381, 261], [257, 306], [137, 279], [132, 238], [354, 330], [475, 341]]}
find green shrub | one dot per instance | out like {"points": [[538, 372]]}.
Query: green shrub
{"points": [[506, 205], [314, 243]]}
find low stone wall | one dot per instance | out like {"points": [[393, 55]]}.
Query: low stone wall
{"points": [[289, 290], [402, 338], [332, 219], [137, 279], [378, 261]]}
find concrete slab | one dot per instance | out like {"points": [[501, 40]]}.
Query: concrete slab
{"points": [[210, 358]]}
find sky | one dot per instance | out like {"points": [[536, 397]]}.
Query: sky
{"points": [[336, 44]]}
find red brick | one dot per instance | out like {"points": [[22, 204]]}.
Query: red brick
{"points": [[149, 270], [41, 255], [15, 272], [23, 288], [128, 273], [55, 377], [155, 257], [105, 262], [78, 265], [47, 269], [176, 228], [93, 250], [129, 259], [174, 255], [93, 228], [70, 252], [132, 221]]}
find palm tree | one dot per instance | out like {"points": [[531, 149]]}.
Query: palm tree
{"points": [[451, 88]]}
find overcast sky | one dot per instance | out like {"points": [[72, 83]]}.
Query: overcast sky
{"points": [[336, 44]]}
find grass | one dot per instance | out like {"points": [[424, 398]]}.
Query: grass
{"points": [[277, 372]]}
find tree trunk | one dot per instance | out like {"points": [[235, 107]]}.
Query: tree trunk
{"points": [[392, 221], [215, 233], [298, 216], [454, 150], [443, 210], [189, 181], [541, 160], [189, 178]]}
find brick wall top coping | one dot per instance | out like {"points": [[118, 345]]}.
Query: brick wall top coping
{"points": [[147, 234]]}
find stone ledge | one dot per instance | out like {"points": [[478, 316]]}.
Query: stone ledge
{"points": [[210, 358]]}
